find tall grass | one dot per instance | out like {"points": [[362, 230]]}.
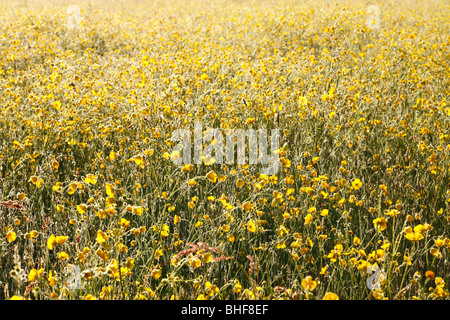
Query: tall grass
{"points": [[85, 148]]}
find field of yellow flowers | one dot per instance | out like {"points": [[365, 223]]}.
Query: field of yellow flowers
{"points": [[93, 207]]}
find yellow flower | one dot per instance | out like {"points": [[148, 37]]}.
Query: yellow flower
{"points": [[110, 190], [439, 243], [113, 155], [51, 280], [21, 196], [34, 274], [207, 161], [72, 188], [55, 165], [56, 105], [422, 228], [309, 284], [110, 201], [198, 224], [281, 245], [207, 257], [57, 186], [247, 206], [251, 227], [82, 208], [63, 256], [90, 179], [156, 274], [308, 219], [196, 263], [17, 144], [51, 242], [138, 210], [249, 294], [61, 239], [165, 230], [330, 296], [277, 198], [384, 189], [124, 223], [237, 287], [11, 236], [392, 213], [380, 224], [139, 160], [40, 183], [101, 214], [356, 184], [363, 265], [101, 237], [414, 236], [211, 288], [192, 183], [212, 176], [240, 183]]}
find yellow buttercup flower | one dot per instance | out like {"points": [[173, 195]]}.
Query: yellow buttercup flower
{"points": [[212, 176], [11, 236], [414, 236], [251, 226], [51, 242], [308, 283], [356, 184], [137, 210], [82, 208], [72, 188], [112, 155], [308, 219], [110, 191], [240, 183], [102, 237], [34, 274], [207, 257], [330, 296], [61, 239], [63, 255], [156, 274], [380, 224], [90, 179]]}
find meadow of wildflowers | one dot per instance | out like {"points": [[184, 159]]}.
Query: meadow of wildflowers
{"points": [[93, 205]]}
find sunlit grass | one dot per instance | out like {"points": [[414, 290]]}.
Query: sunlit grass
{"points": [[86, 180]]}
